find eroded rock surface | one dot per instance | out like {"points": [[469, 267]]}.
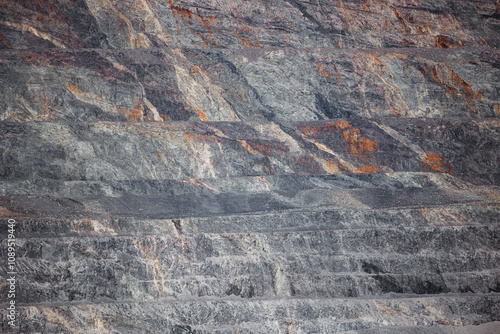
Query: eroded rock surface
{"points": [[269, 166]]}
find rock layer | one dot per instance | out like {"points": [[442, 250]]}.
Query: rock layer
{"points": [[251, 167], [248, 85]]}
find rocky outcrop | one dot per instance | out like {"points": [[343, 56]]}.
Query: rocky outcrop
{"points": [[138, 24], [251, 167], [248, 85]]}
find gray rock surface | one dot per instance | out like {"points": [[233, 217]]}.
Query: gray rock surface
{"points": [[276, 166]]}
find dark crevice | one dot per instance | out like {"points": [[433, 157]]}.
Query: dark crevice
{"points": [[311, 18]]}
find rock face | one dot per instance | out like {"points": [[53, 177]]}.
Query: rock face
{"points": [[277, 166]]}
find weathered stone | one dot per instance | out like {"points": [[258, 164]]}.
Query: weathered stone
{"points": [[281, 166]]}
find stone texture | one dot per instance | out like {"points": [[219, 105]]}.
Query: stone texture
{"points": [[251, 85], [269, 166], [131, 24]]}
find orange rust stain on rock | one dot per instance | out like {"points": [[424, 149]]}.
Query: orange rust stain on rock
{"points": [[436, 164], [332, 167], [132, 115], [400, 19], [182, 12], [480, 95], [189, 137], [368, 169], [159, 154], [314, 131], [196, 69], [244, 144], [360, 147], [357, 144], [455, 80], [262, 149], [345, 12], [465, 86], [46, 104], [247, 44], [206, 23], [244, 41], [497, 107], [323, 71], [61, 145], [442, 42], [420, 30], [445, 42], [74, 89], [205, 44], [338, 76], [378, 61], [201, 114], [268, 170], [186, 14], [135, 114]]}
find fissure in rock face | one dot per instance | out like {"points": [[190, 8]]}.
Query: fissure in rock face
{"points": [[280, 166]]}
